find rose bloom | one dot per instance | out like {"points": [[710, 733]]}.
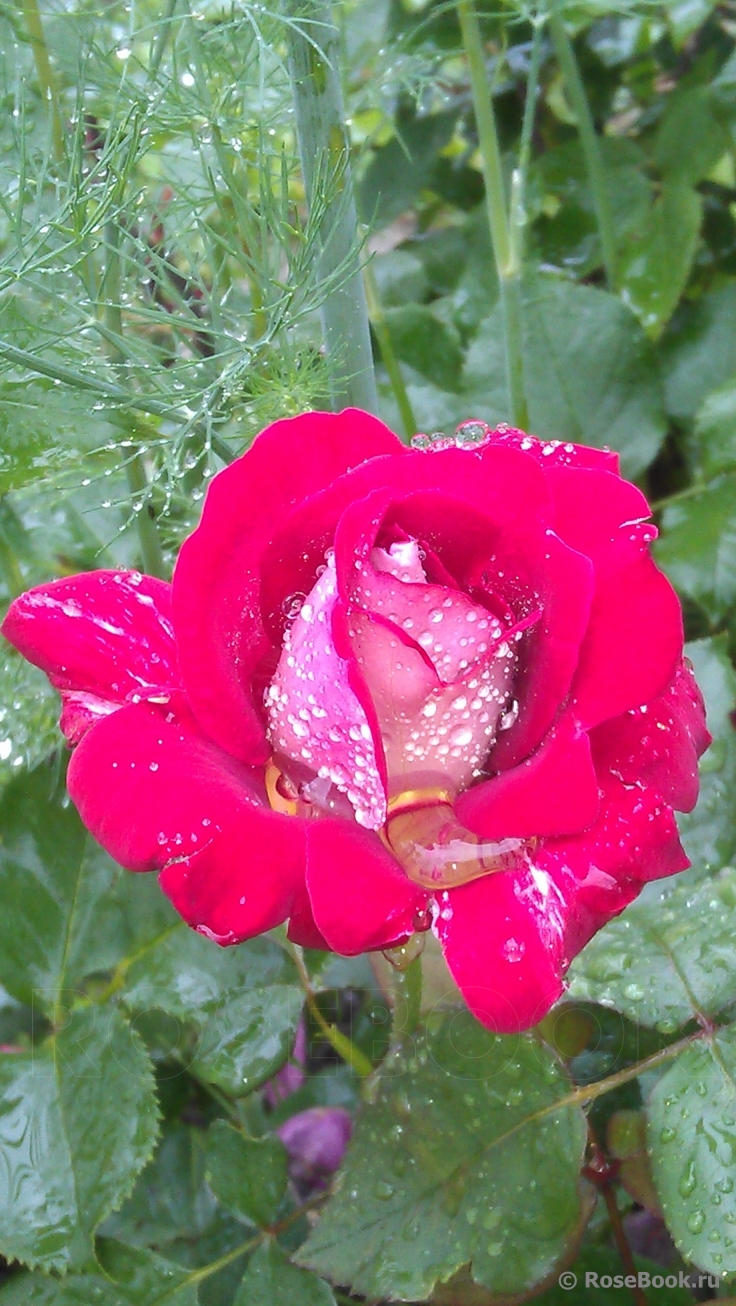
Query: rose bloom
{"points": [[388, 690]]}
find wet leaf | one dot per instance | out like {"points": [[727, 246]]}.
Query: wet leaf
{"points": [[698, 546], [690, 139], [242, 1004], [170, 1199], [653, 270], [271, 1279], [145, 1279], [426, 343], [692, 1141], [709, 832], [52, 878], [668, 957], [589, 372], [247, 1175], [461, 1157], [78, 1121], [699, 351], [715, 431]]}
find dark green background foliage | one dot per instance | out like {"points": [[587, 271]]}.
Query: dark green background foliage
{"points": [[159, 297]]}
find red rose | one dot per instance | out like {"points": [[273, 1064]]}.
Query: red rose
{"points": [[389, 688]]}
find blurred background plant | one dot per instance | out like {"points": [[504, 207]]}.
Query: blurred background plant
{"points": [[536, 209]]}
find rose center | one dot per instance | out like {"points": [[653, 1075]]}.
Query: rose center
{"points": [[439, 672]]}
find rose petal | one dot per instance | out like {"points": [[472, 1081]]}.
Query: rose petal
{"points": [[217, 580], [101, 637], [600, 534], [556, 453], [361, 899], [156, 794], [553, 792], [503, 940], [633, 644]]}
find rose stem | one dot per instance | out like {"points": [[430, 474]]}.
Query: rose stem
{"points": [[588, 140], [313, 44], [508, 264], [344, 1046], [44, 72], [407, 998], [386, 345], [604, 1182], [152, 554]]}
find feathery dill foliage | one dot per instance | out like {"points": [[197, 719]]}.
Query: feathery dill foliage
{"points": [[157, 267]]}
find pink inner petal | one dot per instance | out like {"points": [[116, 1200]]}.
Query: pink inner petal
{"points": [[314, 716]]}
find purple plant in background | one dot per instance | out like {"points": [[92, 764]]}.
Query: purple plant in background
{"points": [[291, 1076], [316, 1140]]}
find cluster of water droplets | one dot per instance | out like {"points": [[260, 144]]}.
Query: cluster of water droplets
{"points": [[469, 435], [314, 716]]}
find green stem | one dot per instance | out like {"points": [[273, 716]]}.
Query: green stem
{"points": [[508, 264], [388, 354], [519, 175], [407, 997], [162, 37], [313, 42], [589, 140], [339, 1041], [689, 493], [44, 72], [151, 551]]}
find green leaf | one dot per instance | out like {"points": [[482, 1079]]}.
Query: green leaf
{"points": [[272, 1280], [78, 1121], [697, 548], [462, 1157], [715, 431], [692, 1141], [589, 372], [170, 1199], [248, 1175], [699, 351], [709, 832], [690, 138], [145, 1279], [668, 958], [52, 879], [426, 343], [561, 201], [242, 1002], [29, 712], [653, 270], [402, 168], [601, 1260], [75, 1290]]}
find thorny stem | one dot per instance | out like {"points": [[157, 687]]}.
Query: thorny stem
{"points": [[152, 554], [508, 264], [44, 72], [390, 361], [313, 43], [588, 139], [339, 1041], [605, 1185]]}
